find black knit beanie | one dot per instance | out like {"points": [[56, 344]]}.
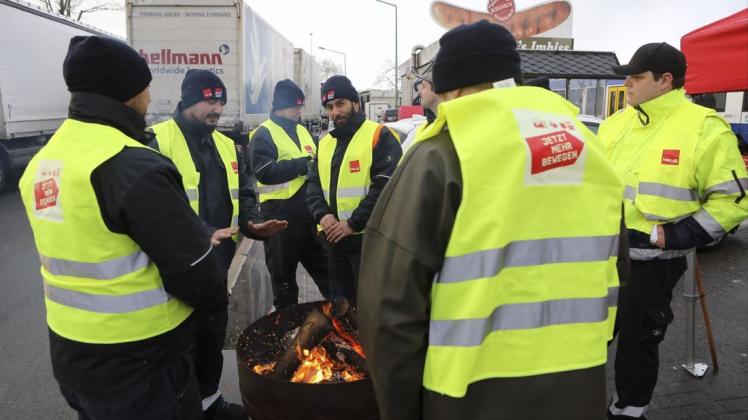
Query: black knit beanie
{"points": [[287, 95], [201, 85], [338, 87], [476, 53], [104, 66]]}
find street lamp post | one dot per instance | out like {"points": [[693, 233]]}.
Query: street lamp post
{"points": [[345, 71], [397, 94]]}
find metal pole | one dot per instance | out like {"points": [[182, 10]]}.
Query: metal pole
{"points": [[397, 91], [705, 313], [689, 292], [345, 63]]}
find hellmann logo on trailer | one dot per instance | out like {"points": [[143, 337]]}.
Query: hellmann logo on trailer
{"points": [[167, 56]]}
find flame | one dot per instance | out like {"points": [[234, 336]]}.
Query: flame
{"points": [[315, 368], [327, 310], [263, 369], [351, 376]]}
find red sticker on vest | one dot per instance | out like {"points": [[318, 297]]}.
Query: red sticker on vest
{"points": [[554, 150], [309, 149], [235, 167], [45, 194], [354, 166], [670, 157]]}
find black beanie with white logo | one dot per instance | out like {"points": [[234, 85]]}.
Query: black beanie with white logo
{"points": [[201, 85]]}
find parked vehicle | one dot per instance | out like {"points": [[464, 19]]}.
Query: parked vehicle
{"points": [[406, 129], [593, 123], [227, 38], [373, 110], [33, 95], [388, 115]]}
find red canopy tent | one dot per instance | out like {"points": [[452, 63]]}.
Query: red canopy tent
{"points": [[717, 55]]}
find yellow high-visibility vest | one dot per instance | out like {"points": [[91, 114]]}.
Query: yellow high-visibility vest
{"points": [[99, 286], [171, 143], [287, 150], [529, 282], [354, 176]]}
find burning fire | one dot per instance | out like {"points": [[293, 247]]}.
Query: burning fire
{"points": [[264, 369], [315, 367], [327, 310]]}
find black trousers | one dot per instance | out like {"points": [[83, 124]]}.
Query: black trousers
{"points": [[283, 253], [344, 261], [645, 314], [209, 340], [172, 394], [211, 334]]}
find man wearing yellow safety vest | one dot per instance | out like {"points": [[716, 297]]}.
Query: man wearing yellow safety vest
{"points": [[354, 162], [280, 152], [685, 186], [124, 258], [220, 192], [489, 275]]}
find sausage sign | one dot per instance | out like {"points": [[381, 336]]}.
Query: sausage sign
{"points": [[551, 19]]}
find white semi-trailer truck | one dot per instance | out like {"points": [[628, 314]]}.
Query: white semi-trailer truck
{"points": [[228, 38], [33, 95]]}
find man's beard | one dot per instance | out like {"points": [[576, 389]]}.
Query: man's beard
{"points": [[343, 120], [208, 126]]}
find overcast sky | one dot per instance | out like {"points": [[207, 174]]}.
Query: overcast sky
{"points": [[364, 29]]}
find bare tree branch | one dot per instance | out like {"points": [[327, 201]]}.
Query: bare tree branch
{"points": [[386, 76], [80, 7], [329, 68]]}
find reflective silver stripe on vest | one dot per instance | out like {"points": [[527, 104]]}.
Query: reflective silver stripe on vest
{"points": [[191, 194], [235, 221], [344, 215], [267, 189], [234, 194], [629, 192], [520, 316], [645, 254], [352, 192], [106, 304], [101, 271], [709, 223], [727, 188], [327, 195], [667, 191], [489, 263]]}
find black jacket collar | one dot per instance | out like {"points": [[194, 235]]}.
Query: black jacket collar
{"points": [[98, 109]]}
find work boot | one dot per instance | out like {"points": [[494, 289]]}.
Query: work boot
{"points": [[224, 410]]}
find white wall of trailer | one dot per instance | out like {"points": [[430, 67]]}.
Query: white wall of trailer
{"points": [[33, 45], [192, 35], [268, 59]]}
